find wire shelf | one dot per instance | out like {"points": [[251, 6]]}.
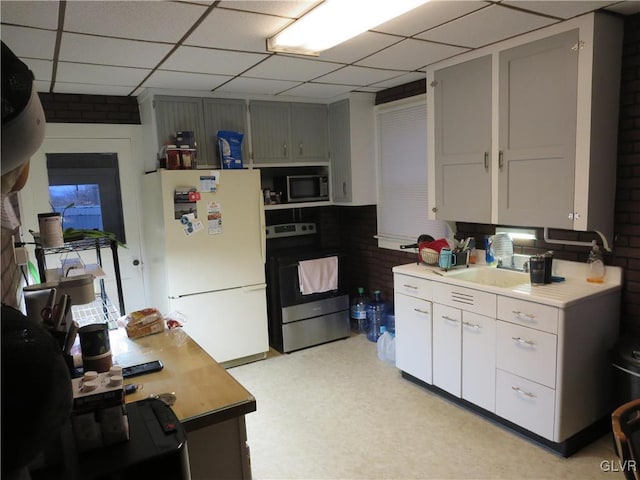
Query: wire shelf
{"points": [[99, 311]]}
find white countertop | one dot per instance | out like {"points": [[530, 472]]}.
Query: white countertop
{"points": [[563, 294]]}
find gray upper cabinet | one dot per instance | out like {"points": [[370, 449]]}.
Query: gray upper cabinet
{"points": [[204, 116], [309, 132], [340, 144], [270, 131], [224, 114], [462, 112], [179, 113], [352, 149], [284, 132], [537, 149]]}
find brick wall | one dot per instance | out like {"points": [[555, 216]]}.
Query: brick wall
{"points": [[71, 108], [627, 211]]}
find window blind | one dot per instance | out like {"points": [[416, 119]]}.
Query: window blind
{"points": [[402, 180]]}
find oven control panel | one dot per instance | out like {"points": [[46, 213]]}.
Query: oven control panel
{"points": [[290, 230]]}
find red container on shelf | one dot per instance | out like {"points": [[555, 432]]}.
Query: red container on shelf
{"points": [[172, 157]]}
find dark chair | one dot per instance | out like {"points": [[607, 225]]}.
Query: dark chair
{"points": [[625, 421]]}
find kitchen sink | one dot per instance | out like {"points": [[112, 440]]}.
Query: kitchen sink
{"points": [[491, 276]]}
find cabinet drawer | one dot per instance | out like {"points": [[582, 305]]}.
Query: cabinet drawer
{"points": [[413, 286], [482, 303], [527, 404], [527, 352], [529, 314]]}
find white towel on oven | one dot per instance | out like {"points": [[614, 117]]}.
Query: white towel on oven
{"points": [[318, 275]]}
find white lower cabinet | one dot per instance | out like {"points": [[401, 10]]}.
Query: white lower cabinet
{"points": [[479, 360], [447, 348], [534, 365], [525, 403], [464, 362], [413, 327]]}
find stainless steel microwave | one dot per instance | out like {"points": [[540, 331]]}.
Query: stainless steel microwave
{"points": [[303, 188]]}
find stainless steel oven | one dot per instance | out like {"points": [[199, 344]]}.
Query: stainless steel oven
{"points": [[299, 320]]}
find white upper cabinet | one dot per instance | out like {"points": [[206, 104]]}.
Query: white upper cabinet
{"points": [[552, 122]]}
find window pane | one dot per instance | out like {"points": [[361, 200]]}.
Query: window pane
{"points": [[86, 212]]}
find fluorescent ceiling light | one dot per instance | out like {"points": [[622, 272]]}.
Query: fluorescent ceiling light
{"points": [[335, 21]]}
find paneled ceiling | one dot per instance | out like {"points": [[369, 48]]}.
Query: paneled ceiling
{"points": [[122, 48]]}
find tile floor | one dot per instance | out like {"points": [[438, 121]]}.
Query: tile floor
{"points": [[336, 411]]}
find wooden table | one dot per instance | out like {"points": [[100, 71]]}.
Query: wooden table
{"points": [[210, 403]]}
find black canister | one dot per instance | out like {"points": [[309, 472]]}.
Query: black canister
{"points": [[537, 270], [95, 347], [548, 266]]}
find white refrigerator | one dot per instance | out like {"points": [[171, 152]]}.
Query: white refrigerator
{"points": [[204, 255]]}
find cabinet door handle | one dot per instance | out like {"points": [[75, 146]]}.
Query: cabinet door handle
{"points": [[450, 319], [500, 159], [522, 341], [519, 314], [472, 325], [424, 312], [486, 160], [526, 394], [284, 148], [300, 148], [344, 188], [413, 287]]}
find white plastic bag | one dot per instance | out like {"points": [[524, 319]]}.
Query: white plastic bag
{"points": [[387, 348]]}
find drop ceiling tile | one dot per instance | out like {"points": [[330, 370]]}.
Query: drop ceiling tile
{"points": [[42, 69], [486, 26], [100, 75], [32, 14], [186, 81], [111, 51], [319, 90], [410, 54], [278, 67], [42, 86], [427, 16], [207, 60], [359, 47], [86, 89], [233, 30], [283, 8], [559, 9], [256, 86], [400, 80], [358, 76], [29, 42], [140, 20]]}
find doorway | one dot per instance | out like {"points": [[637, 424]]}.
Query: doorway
{"points": [[78, 141]]}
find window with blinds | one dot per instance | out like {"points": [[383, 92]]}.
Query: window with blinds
{"points": [[401, 131]]}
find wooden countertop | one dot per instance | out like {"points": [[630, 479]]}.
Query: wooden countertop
{"points": [[205, 392]]}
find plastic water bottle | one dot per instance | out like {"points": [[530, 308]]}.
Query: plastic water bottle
{"points": [[387, 346], [376, 310], [359, 312]]}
